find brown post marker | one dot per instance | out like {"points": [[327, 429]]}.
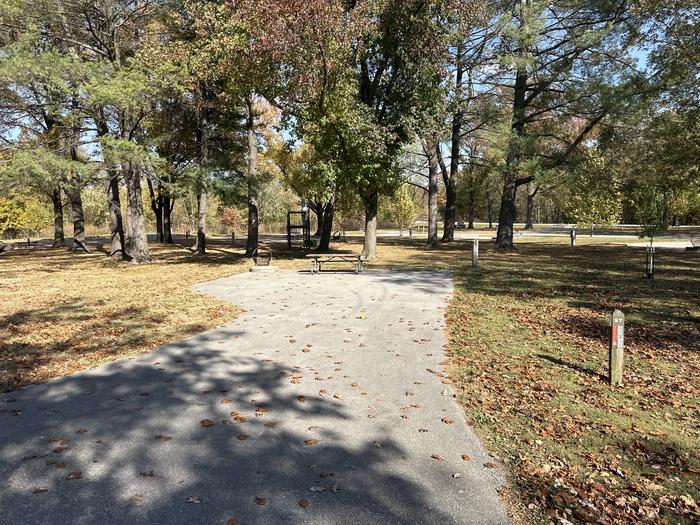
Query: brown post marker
{"points": [[617, 344]]}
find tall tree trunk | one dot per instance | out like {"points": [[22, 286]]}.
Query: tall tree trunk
{"points": [[201, 242], [160, 235], [451, 183], [471, 205], [532, 190], [450, 209], [327, 229], [506, 220], [116, 220], [369, 249], [489, 209], [138, 239], [319, 209], [430, 151], [168, 204], [59, 239], [253, 186], [76, 206], [156, 195], [200, 245]]}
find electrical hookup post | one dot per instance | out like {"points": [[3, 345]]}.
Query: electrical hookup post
{"points": [[649, 266], [617, 345]]}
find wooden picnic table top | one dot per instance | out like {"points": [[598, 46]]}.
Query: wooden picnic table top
{"points": [[332, 255]]}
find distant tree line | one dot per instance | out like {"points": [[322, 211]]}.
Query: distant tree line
{"points": [[587, 107]]}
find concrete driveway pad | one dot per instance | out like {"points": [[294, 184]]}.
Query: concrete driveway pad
{"points": [[323, 403]]}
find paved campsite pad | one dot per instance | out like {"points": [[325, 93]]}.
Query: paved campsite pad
{"points": [[325, 401]]}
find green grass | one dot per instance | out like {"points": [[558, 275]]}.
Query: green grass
{"points": [[528, 333], [527, 353]]}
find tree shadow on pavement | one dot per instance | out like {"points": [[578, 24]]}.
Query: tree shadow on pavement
{"points": [[192, 434]]}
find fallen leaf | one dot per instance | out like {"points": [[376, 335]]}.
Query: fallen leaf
{"points": [[301, 399], [466, 457], [437, 457], [304, 503], [194, 499], [490, 465], [226, 401], [311, 441], [422, 430], [261, 500], [238, 418], [206, 423], [39, 490], [242, 436], [136, 498], [163, 437], [75, 475], [317, 488], [447, 420], [233, 521], [325, 474], [148, 473]]}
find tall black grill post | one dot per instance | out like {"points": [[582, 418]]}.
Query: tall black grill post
{"points": [[306, 222], [304, 226], [649, 269]]}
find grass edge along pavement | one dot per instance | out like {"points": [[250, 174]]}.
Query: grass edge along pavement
{"points": [[528, 345]]}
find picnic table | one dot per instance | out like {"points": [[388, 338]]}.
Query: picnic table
{"points": [[19, 245], [26, 245], [317, 259]]}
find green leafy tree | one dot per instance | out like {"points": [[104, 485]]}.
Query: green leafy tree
{"points": [[565, 66], [400, 208], [23, 215], [365, 81], [595, 197]]}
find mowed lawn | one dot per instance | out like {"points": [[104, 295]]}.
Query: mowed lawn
{"points": [[61, 312], [528, 340], [529, 344]]}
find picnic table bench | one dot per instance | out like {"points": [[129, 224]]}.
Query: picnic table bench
{"points": [[317, 259], [19, 245]]}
